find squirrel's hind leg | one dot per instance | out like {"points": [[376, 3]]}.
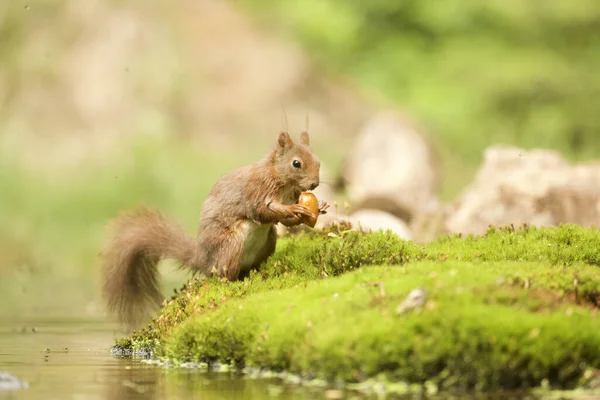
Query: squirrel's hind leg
{"points": [[241, 250], [227, 259]]}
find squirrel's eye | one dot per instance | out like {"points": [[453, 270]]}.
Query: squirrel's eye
{"points": [[296, 163]]}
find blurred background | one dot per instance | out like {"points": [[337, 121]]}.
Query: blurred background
{"points": [[108, 105]]}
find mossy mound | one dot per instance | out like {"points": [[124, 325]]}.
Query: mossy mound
{"points": [[511, 309]]}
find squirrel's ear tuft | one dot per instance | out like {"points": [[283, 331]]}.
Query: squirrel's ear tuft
{"points": [[304, 139], [284, 141]]}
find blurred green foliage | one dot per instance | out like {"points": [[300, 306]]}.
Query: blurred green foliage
{"points": [[472, 72], [52, 226]]}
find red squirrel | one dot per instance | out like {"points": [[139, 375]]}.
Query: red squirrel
{"points": [[236, 233]]}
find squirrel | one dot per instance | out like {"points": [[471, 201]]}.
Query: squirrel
{"points": [[235, 235]]}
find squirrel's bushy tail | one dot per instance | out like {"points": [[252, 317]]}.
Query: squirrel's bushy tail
{"points": [[141, 239]]}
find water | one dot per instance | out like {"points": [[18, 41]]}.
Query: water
{"points": [[69, 358]]}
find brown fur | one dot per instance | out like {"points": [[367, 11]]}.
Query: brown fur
{"points": [[237, 221]]}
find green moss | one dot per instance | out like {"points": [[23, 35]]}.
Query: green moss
{"points": [[510, 309], [343, 329]]}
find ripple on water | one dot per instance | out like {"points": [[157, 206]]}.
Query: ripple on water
{"points": [[70, 358]]}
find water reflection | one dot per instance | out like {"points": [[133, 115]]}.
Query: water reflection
{"points": [[69, 358], [225, 386], [130, 380]]}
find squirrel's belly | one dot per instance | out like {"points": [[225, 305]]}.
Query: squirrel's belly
{"points": [[256, 238]]}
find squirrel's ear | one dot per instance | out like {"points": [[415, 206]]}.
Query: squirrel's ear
{"points": [[304, 139], [284, 141]]}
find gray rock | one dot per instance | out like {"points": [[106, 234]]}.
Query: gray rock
{"points": [[537, 187], [11, 382], [391, 159], [374, 220], [416, 298]]}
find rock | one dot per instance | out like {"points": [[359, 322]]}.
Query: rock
{"points": [[570, 204], [416, 298], [11, 382], [426, 224], [537, 187], [430, 224], [374, 220], [389, 204], [391, 159]]}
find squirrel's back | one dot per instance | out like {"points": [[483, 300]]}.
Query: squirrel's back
{"points": [[236, 232]]}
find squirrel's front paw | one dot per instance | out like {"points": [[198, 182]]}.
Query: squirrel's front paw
{"points": [[299, 209], [291, 221], [282, 211], [323, 206]]}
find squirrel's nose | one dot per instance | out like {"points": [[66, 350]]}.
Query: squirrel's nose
{"points": [[314, 185]]}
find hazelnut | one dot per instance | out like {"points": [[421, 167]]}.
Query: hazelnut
{"points": [[309, 200]]}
